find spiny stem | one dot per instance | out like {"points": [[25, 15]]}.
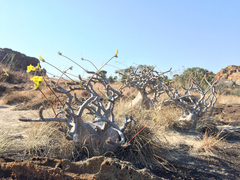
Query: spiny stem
{"points": [[74, 62], [63, 73], [59, 76], [90, 62], [113, 66], [52, 91], [53, 111], [72, 75], [122, 63], [52, 74], [99, 69], [57, 69]]}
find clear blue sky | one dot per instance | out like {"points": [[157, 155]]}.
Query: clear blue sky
{"points": [[165, 33]]}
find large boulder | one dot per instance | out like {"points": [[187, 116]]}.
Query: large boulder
{"points": [[229, 76], [16, 60]]}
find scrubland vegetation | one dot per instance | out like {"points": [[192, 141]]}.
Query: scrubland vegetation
{"points": [[154, 141]]}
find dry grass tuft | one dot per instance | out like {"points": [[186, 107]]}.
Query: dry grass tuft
{"points": [[5, 141], [13, 77], [43, 139], [210, 144], [19, 97], [168, 116], [229, 99], [207, 124], [165, 117], [31, 99], [144, 150]]}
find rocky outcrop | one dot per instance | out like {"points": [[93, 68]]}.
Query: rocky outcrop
{"points": [[97, 168], [229, 75], [16, 60]]}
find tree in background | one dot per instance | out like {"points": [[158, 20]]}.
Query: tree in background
{"points": [[194, 72], [103, 72], [112, 79], [129, 69]]}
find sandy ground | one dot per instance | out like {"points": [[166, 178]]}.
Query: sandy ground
{"points": [[9, 120], [12, 127]]}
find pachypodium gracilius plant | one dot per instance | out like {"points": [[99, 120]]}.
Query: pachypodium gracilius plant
{"points": [[147, 81], [195, 102], [100, 132]]}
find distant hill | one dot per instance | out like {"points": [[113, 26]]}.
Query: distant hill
{"points": [[16, 60]]}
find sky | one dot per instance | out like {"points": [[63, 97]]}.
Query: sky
{"points": [[162, 33]]}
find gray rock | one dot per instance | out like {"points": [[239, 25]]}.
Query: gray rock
{"points": [[238, 83], [226, 82]]}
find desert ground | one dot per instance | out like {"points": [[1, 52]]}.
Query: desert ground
{"points": [[183, 159], [160, 147]]}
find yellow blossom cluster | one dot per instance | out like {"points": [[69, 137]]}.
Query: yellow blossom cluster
{"points": [[35, 79], [30, 68]]}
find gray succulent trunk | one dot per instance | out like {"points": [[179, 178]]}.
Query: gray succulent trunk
{"points": [[189, 118], [94, 136], [141, 100]]}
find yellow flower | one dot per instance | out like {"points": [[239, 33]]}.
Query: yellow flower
{"points": [[36, 80], [6, 72], [116, 53], [41, 59], [30, 68], [59, 53]]}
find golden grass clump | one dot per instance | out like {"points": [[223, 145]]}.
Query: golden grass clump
{"points": [[207, 124], [228, 99], [44, 139], [11, 76], [31, 99], [143, 150], [5, 141], [19, 97], [209, 144]]}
